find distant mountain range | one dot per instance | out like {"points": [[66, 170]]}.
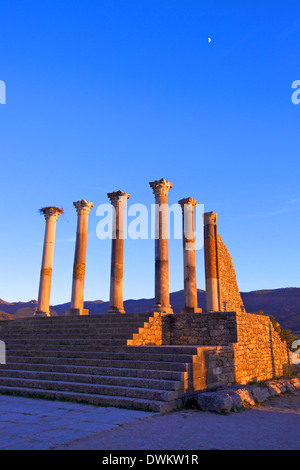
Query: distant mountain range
{"points": [[283, 304]]}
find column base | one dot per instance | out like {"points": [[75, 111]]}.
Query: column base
{"points": [[163, 309], [116, 310], [75, 312], [190, 310], [41, 314]]}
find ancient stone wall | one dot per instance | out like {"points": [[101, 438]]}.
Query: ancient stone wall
{"points": [[187, 329], [229, 296], [150, 335], [212, 367], [257, 350], [205, 329]]}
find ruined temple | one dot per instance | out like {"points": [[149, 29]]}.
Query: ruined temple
{"points": [[152, 360]]}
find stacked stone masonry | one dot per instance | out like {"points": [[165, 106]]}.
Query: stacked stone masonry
{"points": [[259, 353], [235, 346]]}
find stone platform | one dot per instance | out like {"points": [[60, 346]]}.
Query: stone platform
{"points": [[141, 361]]}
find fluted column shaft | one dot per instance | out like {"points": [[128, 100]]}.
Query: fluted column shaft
{"points": [[51, 215], [189, 256], [162, 290], [211, 262], [118, 200], [83, 209]]}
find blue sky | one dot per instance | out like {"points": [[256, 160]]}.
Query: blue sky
{"points": [[111, 94]]}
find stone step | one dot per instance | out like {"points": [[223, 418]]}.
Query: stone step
{"points": [[96, 389], [78, 321], [86, 359], [113, 356], [103, 371], [107, 343], [64, 340], [36, 339], [178, 350], [98, 347], [74, 325], [81, 333], [98, 400], [141, 382], [93, 332], [113, 316], [71, 326], [127, 364]]}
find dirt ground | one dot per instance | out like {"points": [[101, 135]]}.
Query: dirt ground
{"points": [[274, 425]]}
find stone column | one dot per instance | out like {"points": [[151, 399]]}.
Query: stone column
{"points": [[189, 256], [211, 262], [118, 200], [51, 215], [162, 293], [83, 209]]}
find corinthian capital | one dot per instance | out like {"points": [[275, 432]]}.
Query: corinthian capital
{"points": [[51, 212], [118, 197], [187, 203], [161, 187], [83, 206]]}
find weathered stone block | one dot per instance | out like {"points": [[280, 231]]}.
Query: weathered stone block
{"points": [[219, 402], [260, 394], [274, 390]]}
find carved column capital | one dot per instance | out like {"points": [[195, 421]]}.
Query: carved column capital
{"points": [[188, 202], [83, 206], [51, 212], [161, 187], [118, 197]]}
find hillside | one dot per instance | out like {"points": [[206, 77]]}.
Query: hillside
{"points": [[283, 304], [6, 316]]}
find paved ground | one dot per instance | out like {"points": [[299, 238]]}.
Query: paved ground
{"points": [[39, 424]]}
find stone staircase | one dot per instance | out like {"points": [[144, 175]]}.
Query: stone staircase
{"points": [[87, 360]]}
